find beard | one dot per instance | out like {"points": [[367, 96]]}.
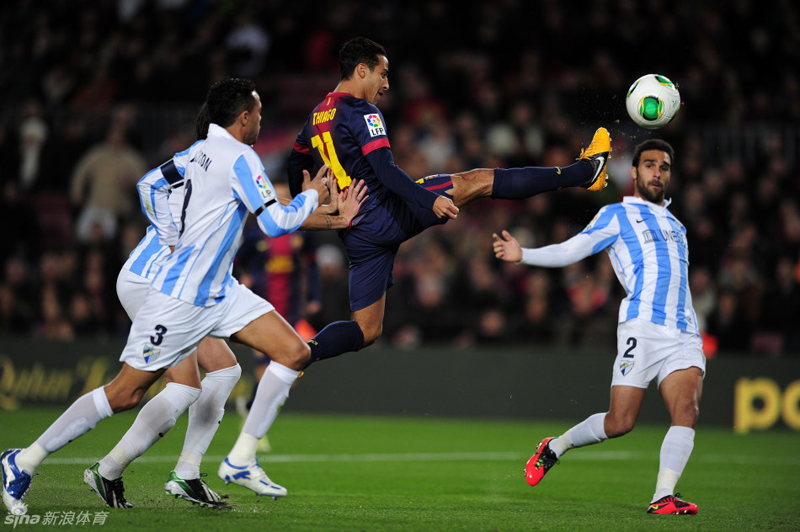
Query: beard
{"points": [[649, 194]]}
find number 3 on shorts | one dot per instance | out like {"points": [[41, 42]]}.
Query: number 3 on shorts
{"points": [[159, 337]]}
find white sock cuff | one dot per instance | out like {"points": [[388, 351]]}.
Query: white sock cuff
{"points": [[101, 403], [285, 374], [676, 431], [189, 394], [229, 372]]}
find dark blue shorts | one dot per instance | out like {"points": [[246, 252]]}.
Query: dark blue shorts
{"points": [[375, 237]]}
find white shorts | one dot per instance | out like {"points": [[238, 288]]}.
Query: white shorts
{"points": [[166, 330], [647, 351], [132, 290]]}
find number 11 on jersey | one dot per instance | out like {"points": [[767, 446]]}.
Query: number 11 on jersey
{"points": [[328, 154]]}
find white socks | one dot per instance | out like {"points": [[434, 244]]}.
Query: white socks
{"points": [[675, 452], [155, 419], [270, 396], [77, 420], [587, 432], [205, 416]]}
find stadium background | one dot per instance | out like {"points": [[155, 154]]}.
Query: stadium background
{"points": [[474, 84]]}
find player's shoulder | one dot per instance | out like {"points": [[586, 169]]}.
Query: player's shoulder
{"points": [[182, 158]]}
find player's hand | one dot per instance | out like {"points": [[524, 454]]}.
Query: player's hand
{"points": [[332, 207], [350, 200], [509, 249], [445, 208], [319, 183]]}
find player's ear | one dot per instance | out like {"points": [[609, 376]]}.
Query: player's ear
{"points": [[634, 173]]}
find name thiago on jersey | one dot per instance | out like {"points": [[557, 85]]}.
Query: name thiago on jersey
{"points": [[324, 116]]}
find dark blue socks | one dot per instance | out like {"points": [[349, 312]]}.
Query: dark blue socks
{"points": [[335, 339], [520, 183]]}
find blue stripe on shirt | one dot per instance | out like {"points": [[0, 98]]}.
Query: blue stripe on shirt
{"points": [[631, 241], [156, 186], [174, 273], [152, 248], [245, 177], [664, 268], [227, 242], [681, 315]]}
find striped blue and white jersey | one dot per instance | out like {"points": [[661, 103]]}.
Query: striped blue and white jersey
{"points": [[224, 180], [161, 197], [650, 255]]}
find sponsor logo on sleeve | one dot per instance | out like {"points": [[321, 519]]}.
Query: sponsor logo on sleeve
{"points": [[263, 188], [375, 125]]}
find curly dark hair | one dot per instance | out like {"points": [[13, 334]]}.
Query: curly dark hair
{"points": [[227, 99], [653, 144], [358, 50]]}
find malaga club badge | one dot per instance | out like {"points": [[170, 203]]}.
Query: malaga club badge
{"points": [[150, 353], [626, 367]]}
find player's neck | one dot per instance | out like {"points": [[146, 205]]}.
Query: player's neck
{"points": [[350, 87]]}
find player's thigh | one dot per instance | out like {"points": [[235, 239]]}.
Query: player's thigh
{"points": [[213, 354], [370, 319], [185, 372], [623, 410], [370, 272], [273, 336], [681, 391]]}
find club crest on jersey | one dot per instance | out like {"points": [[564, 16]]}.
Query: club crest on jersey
{"points": [[150, 353], [375, 125], [263, 187], [626, 367]]}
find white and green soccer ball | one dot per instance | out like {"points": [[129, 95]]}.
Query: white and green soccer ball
{"points": [[653, 101]]}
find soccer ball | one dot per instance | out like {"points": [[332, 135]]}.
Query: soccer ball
{"points": [[653, 101]]}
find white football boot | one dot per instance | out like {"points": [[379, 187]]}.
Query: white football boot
{"points": [[251, 477]]}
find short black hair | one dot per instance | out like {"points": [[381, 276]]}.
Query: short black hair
{"points": [[358, 50], [653, 144], [228, 98]]}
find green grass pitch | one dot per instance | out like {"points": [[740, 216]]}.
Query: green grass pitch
{"points": [[420, 474]]}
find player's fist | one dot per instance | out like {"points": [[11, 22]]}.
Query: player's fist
{"points": [[319, 183], [509, 249], [444, 207]]}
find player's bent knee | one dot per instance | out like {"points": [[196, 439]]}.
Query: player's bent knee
{"points": [[122, 400], [372, 334], [298, 356], [615, 428]]}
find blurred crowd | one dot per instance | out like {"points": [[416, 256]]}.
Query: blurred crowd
{"points": [[96, 92]]}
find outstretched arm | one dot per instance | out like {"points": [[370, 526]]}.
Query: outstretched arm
{"points": [[554, 256], [400, 184], [348, 201]]}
